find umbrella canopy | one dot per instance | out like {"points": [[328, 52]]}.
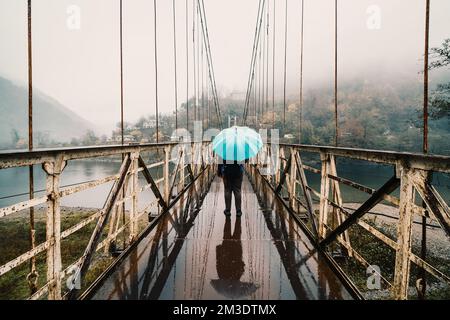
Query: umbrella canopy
{"points": [[237, 143]]}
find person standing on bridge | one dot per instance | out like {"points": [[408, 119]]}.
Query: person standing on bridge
{"points": [[235, 146], [232, 175]]}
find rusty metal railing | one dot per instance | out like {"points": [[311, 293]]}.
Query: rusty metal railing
{"points": [[192, 163], [329, 223]]}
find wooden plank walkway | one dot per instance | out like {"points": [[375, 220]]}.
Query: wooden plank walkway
{"points": [[201, 254]]}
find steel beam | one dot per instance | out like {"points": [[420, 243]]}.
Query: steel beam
{"points": [[387, 188]]}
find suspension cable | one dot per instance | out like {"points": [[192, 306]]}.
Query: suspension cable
{"points": [[121, 71], [210, 61], [254, 57], [198, 47], [251, 74], [273, 62], [203, 78], [425, 78], [194, 52], [336, 138], [255, 79], [263, 54], [423, 250], [32, 277], [301, 74], [266, 107], [156, 70], [187, 64], [258, 70], [252, 77], [208, 99], [212, 77], [285, 61], [175, 62]]}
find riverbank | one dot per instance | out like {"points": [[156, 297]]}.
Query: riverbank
{"points": [[14, 241], [385, 219]]}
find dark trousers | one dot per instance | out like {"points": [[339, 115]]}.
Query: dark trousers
{"points": [[233, 184]]}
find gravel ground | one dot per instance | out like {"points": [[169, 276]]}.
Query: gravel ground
{"points": [[438, 245], [437, 241]]}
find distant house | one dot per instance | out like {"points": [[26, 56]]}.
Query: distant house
{"points": [[126, 138], [289, 136], [151, 123]]}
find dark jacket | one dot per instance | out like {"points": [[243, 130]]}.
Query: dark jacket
{"points": [[233, 169]]}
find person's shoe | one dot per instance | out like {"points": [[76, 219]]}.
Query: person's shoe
{"points": [[238, 213], [227, 213]]}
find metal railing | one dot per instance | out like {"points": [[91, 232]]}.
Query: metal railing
{"points": [[192, 164], [281, 166]]}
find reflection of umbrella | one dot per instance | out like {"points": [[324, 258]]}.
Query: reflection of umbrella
{"points": [[237, 143], [233, 289]]}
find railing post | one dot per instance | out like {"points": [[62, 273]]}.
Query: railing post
{"points": [[134, 228], [402, 260], [292, 178], [278, 165], [324, 191], [166, 174], [53, 227], [270, 164], [204, 177], [337, 198], [182, 164]]}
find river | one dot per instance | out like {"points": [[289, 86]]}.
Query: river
{"points": [[14, 182]]}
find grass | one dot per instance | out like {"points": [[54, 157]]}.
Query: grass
{"points": [[14, 241], [378, 253]]}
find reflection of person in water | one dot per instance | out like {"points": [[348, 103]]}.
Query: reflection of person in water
{"points": [[230, 265], [229, 254]]}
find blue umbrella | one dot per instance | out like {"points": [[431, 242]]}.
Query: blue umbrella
{"points": [[237, 143]]}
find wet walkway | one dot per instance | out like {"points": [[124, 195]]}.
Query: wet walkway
{"points": [[204, 255]]}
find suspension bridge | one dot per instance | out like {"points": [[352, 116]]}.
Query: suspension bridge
{"points": [[162, 229]]}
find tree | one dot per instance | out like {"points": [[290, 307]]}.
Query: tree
{"points": [[440, 98], [74, 142], [440, 102], [89, 138], [141, 122], [441, 56]]}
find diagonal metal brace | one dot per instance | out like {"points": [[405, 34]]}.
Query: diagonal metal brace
{"points": [[307, 194], [153, 186], [101, 223], [191, 175], [433, 201], [376, 197], [174, 177], [283, 175]]}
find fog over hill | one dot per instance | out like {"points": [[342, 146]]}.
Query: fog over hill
{"points": [[51, 120]]}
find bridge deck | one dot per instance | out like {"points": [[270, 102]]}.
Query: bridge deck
{"points": [[202, 255]]}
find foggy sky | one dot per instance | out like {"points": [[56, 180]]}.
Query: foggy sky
{"points": [[80, 68]]}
